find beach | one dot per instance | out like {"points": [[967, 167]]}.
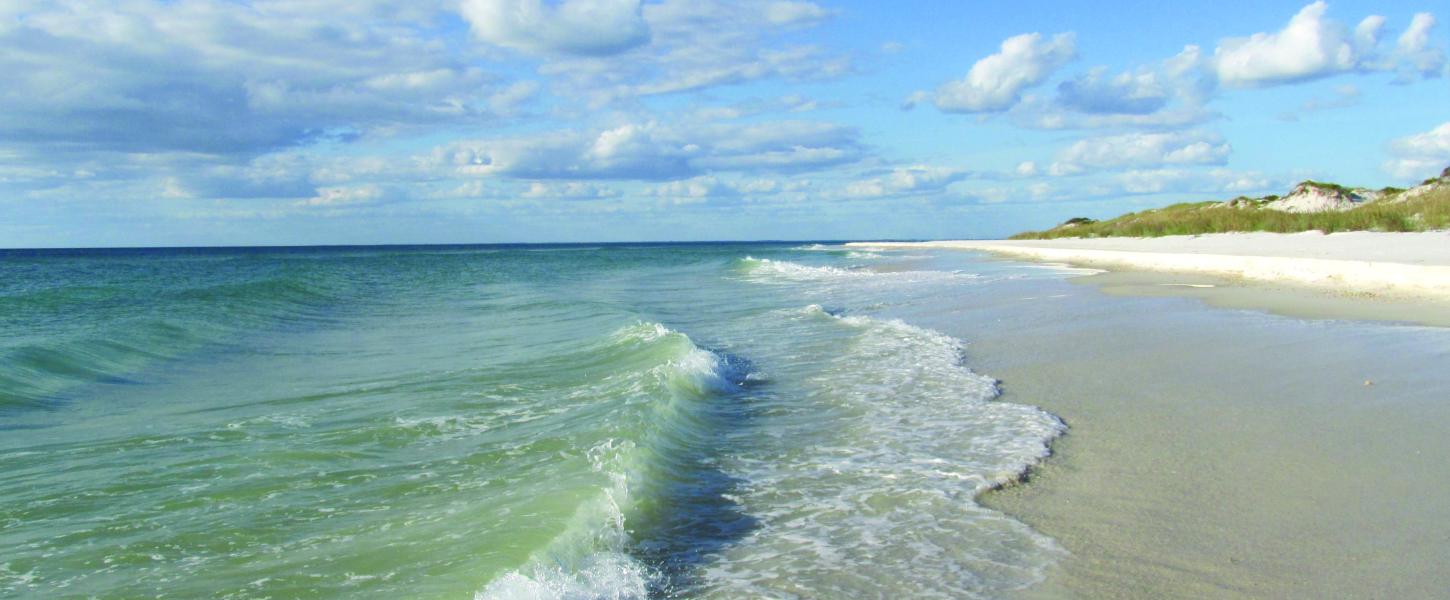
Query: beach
{"points": [[1220, 453], [1413, 265], [697, 420], [1365, 275]]}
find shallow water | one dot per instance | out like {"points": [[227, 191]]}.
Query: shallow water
{"points": [[504, 422]]}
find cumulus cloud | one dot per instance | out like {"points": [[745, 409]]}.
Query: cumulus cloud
{"points": [[1420, 155], [587, 27], [1415, 51], [697, 44], [655, 151], [1167, 94], [915, 179], [1141, 150], [1135, 93], [339, 197], [995, 83], [1178, 180], [1310, 46], [694, 190], [224, 79], [573, 190], [795, 13]]}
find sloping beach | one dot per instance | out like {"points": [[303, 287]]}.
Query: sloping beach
{"points": [[1389, 264], [1229, 453], [1354, 275]]}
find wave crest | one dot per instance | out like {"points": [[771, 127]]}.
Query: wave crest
{"points": [[770, 270], [594, 558]]}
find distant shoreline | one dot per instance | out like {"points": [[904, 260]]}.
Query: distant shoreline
{"points": [[1373, 264]]}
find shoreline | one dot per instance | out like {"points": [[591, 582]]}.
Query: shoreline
{"points": [[1408, 266], [1218, 453]]}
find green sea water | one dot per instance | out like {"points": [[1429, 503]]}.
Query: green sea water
{"points": [[701, 421]]}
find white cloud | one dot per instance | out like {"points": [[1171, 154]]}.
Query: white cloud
{"points": [[339, 197], [1168, 94], [1040, 113], [995, 83], [1136, 93], [655, 151], [1414, 49], [1420, 155], [795, 13], [694, 191], [1367, 33], [225, 79], [915, 179], [764, 187], [508, 100], [1141, 150], [697, 44], [1310, 46], [1177, 180], [587, 27], [573, 190]]}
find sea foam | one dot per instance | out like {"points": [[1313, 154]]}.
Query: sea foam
{"points": [[869, 490]]}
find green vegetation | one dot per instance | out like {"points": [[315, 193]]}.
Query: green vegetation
{"points": [[1333, 187], [1444, 176], [1425, 212]]}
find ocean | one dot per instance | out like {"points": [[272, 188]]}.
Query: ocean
{"points": [[569, 421]]}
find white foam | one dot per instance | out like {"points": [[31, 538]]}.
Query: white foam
{"points": [[600, 577], [870, 491], [765, 269], [590, 560]]}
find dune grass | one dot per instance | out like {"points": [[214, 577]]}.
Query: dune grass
{"points": [[1427, 212]]}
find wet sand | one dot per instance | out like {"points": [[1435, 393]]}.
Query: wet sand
{"points": [[1220, 453]]}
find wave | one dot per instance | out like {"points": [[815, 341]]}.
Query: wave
{"points": [[765, 269], [599, 554], [929, 367], [874, 493], [130, 326]]}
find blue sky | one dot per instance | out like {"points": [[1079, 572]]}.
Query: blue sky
{"points": [[207, 122]]}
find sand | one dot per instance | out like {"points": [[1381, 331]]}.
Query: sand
{"points": [[1221, 453], [1384, 265]]}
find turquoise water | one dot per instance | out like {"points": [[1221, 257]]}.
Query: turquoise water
{"points": [[502, 422]]}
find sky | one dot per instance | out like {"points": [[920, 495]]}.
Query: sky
{"points": [[210, 122]]}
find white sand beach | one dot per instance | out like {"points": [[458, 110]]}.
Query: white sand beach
{"points": [[1393, 265], [1226, 453]]}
